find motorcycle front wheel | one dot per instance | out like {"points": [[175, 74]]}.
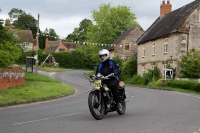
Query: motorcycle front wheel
{"points": [[97, 108], [123, 110]]}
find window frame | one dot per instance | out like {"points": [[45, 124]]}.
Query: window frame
{"points": [[127, 44], [153, 48], [166, 40], [143, 50]]}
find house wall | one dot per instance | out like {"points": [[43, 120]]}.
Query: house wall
{"points": [[193, 25], [61, 47], [131, 39], [187, 37], [160, 58]]}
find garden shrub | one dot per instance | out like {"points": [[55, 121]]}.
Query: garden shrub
{"points": [[138, 80], [187, 85], [160, 82]]}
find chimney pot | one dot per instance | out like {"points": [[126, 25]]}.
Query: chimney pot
{"points": [[168, 1], [165, 8]]}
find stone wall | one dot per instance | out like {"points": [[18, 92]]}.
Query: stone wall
{"points": [[11, 76]]}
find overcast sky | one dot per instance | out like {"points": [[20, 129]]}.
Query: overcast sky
{"points": [[65, 15]]}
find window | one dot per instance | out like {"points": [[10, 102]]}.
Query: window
{"points": [[143, 50], [153, 66], [165, 45], [153, 48], [61, 49], [127, 46], [143, 69]]}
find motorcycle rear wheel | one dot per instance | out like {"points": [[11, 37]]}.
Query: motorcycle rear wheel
{"points": [[97, 110]]}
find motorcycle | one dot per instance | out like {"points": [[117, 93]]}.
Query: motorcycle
{"points": [[101, 100]]}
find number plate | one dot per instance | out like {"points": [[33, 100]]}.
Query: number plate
{"points": [[97, 84]]}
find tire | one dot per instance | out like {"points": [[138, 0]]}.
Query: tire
{"points": [[121, 112], [96, 110]]}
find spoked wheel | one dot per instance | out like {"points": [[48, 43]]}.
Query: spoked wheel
{"points": [[123, 109], [97, 108]]}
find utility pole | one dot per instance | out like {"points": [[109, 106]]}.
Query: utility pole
{"points": [[37, 46]]}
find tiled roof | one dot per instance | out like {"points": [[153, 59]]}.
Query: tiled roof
{"points": [[123, 35], [53, 48], [168, 23], [70, 45], [111, 48], [24, 35], [54, 43]]}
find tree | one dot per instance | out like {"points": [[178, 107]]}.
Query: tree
{"points": [[129, 68], [190, 63], [9, 53], [52, 35], [79, 34], [5, 36], [15, 13], [23, 21], [109, 22]]}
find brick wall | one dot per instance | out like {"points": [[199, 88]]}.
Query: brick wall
{"points": [[11, 76]]}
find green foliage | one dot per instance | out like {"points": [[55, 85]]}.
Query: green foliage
{"points": [[187, 85], [152, 75], [9, 53], [109, 23], [79, 34], [190, 63], [6, 36], [31, 53], [129, 68], [15, 13], [138, 80], [119, 60], [23, 21], [51, 33]]}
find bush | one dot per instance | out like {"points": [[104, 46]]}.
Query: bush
{"points": [[138, 80], [129, 68], [118, 60], [160, 82], [187, 85], [152, 75]]}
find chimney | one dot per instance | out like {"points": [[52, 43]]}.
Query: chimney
{"points": [[46, 43], [165, 8]]}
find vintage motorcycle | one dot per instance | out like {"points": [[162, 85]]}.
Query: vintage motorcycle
{"points": [[100, 99]]}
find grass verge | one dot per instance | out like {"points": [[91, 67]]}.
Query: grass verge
{"points": [[36, 88], [52, 69]]}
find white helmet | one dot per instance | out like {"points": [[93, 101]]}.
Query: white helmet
{"points": [[104, 52]]}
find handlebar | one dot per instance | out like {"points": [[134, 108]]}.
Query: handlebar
{"points": [[92, 78]]}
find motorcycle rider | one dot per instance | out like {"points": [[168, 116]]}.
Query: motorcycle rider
{"points": [[106, 67]]}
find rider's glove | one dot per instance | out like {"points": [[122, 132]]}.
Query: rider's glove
{"points": [[116, 72]]}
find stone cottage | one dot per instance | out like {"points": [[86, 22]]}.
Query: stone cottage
{"points": [[171, 35]]}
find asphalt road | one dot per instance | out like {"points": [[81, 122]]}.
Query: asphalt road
{"points": [[149, 111]]}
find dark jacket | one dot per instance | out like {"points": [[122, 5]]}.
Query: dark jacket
{"points": [[108, 67]]}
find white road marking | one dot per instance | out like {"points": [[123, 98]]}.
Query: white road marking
{"points": [[50, 74], [26, 122]]}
